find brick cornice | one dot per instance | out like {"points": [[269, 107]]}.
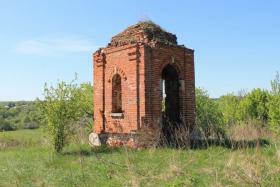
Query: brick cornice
{"points": [[116, 49]]}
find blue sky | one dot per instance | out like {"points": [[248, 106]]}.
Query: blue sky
{"points": [[237, 43]]}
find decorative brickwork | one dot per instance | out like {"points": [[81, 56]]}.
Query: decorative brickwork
{"points": [[139, 71]]}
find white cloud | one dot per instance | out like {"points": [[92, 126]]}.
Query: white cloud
{"points": [[54, 46]]}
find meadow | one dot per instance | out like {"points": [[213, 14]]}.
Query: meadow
{"points": [[238, 145], [27, 159]]}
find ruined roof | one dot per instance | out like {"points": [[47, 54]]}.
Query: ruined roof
{"points": [[143, 32]]}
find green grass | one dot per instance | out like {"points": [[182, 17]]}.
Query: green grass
{"points": [[26, 159]]}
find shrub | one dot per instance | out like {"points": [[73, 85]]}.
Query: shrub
{"points": [[229, 105], [63, 107], [59, 109], [274, 112], [258, 104], [6, 126], [31, 125], [254, 106], [209, 118], [274, 104]]}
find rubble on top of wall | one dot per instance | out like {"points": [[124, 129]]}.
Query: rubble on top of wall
{"points": [[143, 32]]}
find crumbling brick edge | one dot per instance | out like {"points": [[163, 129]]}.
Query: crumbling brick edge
{"points": [[129, 140]]}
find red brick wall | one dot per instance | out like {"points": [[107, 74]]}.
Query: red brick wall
{"points": [[156, 59], [140, 68]]}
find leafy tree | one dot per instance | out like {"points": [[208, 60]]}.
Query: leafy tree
{"points": [[229, 106], [274, 104], [6, 125], [86, 104], [63, 106], [209, 117], [11, 105], [27, 119], [35, 114], [86, 99], [275, 85], [242, 109], [254, 106]]}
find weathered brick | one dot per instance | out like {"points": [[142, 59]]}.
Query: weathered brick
{"points": [[140, 62]]}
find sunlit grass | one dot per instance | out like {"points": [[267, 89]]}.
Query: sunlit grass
{"points": [[30, 161]]}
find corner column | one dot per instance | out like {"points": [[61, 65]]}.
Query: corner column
{"points": [[99, 91]]}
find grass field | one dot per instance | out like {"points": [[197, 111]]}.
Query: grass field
{"points": [[26, 159]]}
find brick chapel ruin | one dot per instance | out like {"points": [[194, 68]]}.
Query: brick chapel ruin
{"points": [[142, 79]]}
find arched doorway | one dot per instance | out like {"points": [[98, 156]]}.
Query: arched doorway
{"points": [[170, 101]]}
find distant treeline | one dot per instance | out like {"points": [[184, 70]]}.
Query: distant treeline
{"points": [[14, 103], [19, 115]]}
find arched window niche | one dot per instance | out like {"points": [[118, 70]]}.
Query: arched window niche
{"points": [[117, 96]]}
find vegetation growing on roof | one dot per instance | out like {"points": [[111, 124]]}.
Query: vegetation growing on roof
{"points": [[143, 32]]}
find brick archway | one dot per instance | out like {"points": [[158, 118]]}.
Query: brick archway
{"points": [[170, 88], [171, 101], [173, 64]]}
